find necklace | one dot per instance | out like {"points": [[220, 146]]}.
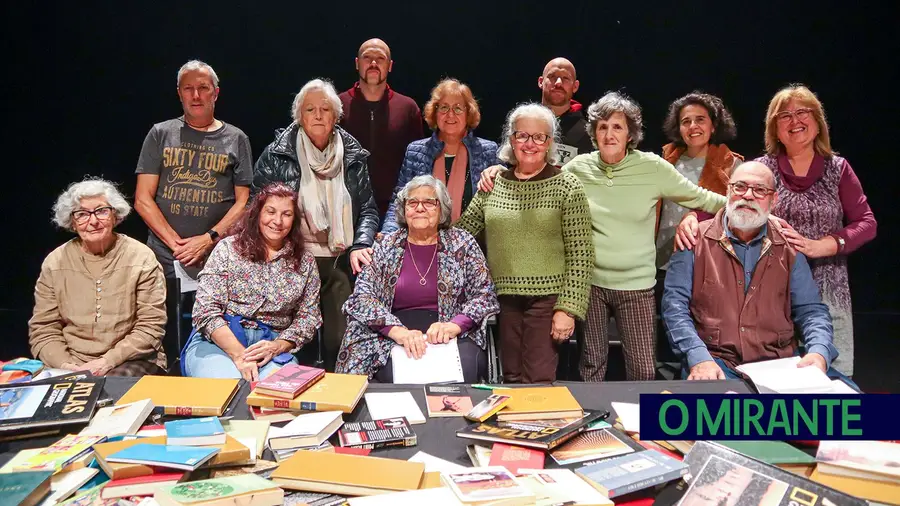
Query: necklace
{"points": [[412, 257]]}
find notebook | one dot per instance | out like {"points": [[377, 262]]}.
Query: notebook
{"points": [[784, 377], [384, 405], [439, 364]]}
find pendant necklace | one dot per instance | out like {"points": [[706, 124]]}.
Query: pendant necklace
{"points": [[412, 257]]}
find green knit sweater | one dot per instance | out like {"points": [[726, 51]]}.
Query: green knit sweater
{"points": [[623, 200], [538, 237]]}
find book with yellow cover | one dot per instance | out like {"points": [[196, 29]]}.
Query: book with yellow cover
{"points": [[230, 453], [184, 396], [334, 392], [872, 490], [539, 403], [343, 474]]}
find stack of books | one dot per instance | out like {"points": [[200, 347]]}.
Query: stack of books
{"points": [[297, 389], [308, 431]]}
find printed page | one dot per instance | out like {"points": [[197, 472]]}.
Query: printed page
{"points": [[439, 364]]}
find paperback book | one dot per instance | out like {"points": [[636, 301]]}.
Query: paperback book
{"points": [[373, 434], [289, 381], [447, 400], [530, 434]]}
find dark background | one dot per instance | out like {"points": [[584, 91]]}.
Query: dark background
{"points": [[85, 81]]}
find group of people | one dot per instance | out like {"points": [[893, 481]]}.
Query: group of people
{"points": [[351, 223]]}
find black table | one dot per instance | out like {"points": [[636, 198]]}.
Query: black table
{"points": [[437, 437]]}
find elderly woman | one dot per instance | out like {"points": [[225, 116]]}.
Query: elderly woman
{"points": [[327, 167], [819, 196], [537, 229], [427, 283], [452, 154], [257, 296], [100, 301], [623, 186], [697, 124]]}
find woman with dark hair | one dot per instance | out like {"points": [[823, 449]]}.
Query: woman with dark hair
{"points": [[258, 295], [697, 124]]}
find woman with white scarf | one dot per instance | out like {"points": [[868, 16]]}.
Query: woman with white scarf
{"points": [[328, 169]]}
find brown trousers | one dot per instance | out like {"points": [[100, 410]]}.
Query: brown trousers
{"points": [[529, 352], [634, 313]]}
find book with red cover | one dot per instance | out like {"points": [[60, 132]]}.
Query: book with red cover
{"points": [[352, 451], [289, 381], [514, 458], [140, 485]]}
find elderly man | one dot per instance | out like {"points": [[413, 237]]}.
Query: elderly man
{"points": [[738, 295], [558, 84], [382, 120], [194, 174]]}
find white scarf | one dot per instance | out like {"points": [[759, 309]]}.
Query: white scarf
{"points": [[324, 198]]}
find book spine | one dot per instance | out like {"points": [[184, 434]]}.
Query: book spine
{"points": [[565, 437], [374, 445], [191, 411], [647, 483]]}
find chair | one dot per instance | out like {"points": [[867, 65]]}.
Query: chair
{"points": [[172, 337], [186, 285], [495, 363]]}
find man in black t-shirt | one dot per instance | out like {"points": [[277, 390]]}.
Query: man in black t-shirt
{"points": [[194, 174], [558, 84]]}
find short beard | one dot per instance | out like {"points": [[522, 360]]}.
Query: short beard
{"points": [[744, 220], [548, 99]]}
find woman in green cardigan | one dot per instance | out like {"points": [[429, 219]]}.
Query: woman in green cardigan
{"points": [[623, 186]]}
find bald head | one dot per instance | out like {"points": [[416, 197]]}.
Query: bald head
{"points": [[373, 64], [559, 63], [558, 83], [376, 44], [755, 171]]}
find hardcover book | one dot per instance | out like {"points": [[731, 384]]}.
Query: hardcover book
{"points": [[536, 403], [373, 434], [273, 415], [873, 460], [26, 488], [486, 485], [195, 432], [737, 472], [514, 458], [183, 396], [187, 458], [447, 400], [58, 401], [561, 487], [336, 473], [114, 421], [289, 381], [628, 473], [594, 445], [334, 392], [141, 485], [248, 489], [230, 453], [311, 429], [530, 434]]}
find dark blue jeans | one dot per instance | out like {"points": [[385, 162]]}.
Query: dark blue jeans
{"points": [[732, 374]]}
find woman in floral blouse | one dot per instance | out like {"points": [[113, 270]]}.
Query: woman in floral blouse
{"points": [[427, 284], [258, 295]]}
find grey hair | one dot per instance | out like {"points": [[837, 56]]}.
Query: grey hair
{"points": [[325, 87], [197, 65], [747, 164], [531, 110], [70, 200], [440, 190], [610, 104]]}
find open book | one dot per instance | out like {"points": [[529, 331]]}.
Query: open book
{"points": [[782, 376], [439, 364]]}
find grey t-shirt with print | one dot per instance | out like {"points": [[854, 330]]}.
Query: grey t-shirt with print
{"points": [[197, 175]]}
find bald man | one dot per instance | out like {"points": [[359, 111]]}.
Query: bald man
{"points": [[558, 83], [382, 120], [742, 293]]}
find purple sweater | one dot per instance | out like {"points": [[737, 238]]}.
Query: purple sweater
{"points": [[411, 294]]}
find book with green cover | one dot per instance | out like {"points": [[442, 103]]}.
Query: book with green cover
{"points": [[771, 452], [199, 492], [28, 487]]}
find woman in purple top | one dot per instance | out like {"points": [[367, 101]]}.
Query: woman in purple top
{"points": [[822, 201], [427, 284]]}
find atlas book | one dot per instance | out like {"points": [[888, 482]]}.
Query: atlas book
{"points": [[447, 400], [617, 476], [247, 489], [374, 434], [114, 421], [487, 408], [531, 434], [723, 466], [289, 381], [187, 458], [195, 432], [341, 474], [334, 392], [538, 403], [59, 401], [26, 488], [184, 396], [488, 485], [311, 429]]}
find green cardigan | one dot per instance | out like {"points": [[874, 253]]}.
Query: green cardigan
{"points": [[623, 201], [538, 236]]}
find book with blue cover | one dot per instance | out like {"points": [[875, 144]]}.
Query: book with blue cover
{"points": [[188, 458], [632, 472], [195, 432]]}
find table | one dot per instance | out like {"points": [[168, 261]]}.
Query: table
{"points": [[437, 437]]}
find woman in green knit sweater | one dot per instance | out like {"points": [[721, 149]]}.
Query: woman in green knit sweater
{"points": [[538, 232], [623, 186]]}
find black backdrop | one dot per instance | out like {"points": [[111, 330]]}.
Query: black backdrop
{"points": [[85, 82]]}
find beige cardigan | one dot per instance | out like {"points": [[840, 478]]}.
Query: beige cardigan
{"points": [[121, 316]]}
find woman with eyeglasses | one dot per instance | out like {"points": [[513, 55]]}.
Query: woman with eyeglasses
{"points": [[537, 227], [453, 154], [428, 284], [100, 300], [819, 196]]}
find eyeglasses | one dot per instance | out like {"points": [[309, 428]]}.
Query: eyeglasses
{"points": [[760, 192], [102, 213], [801, 114], [457, 109], [429, 204], [539, 138]]}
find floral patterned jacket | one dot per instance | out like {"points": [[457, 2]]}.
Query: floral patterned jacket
{"points": [[464, 287]]}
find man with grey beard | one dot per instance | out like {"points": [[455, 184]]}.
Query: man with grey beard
{"points": [[742, 293]]}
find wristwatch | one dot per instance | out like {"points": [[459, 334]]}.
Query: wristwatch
{"points": [[213, 235], [840, 242]]}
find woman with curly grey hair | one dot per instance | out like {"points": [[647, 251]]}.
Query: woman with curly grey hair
{"points": [[100, 300]]}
